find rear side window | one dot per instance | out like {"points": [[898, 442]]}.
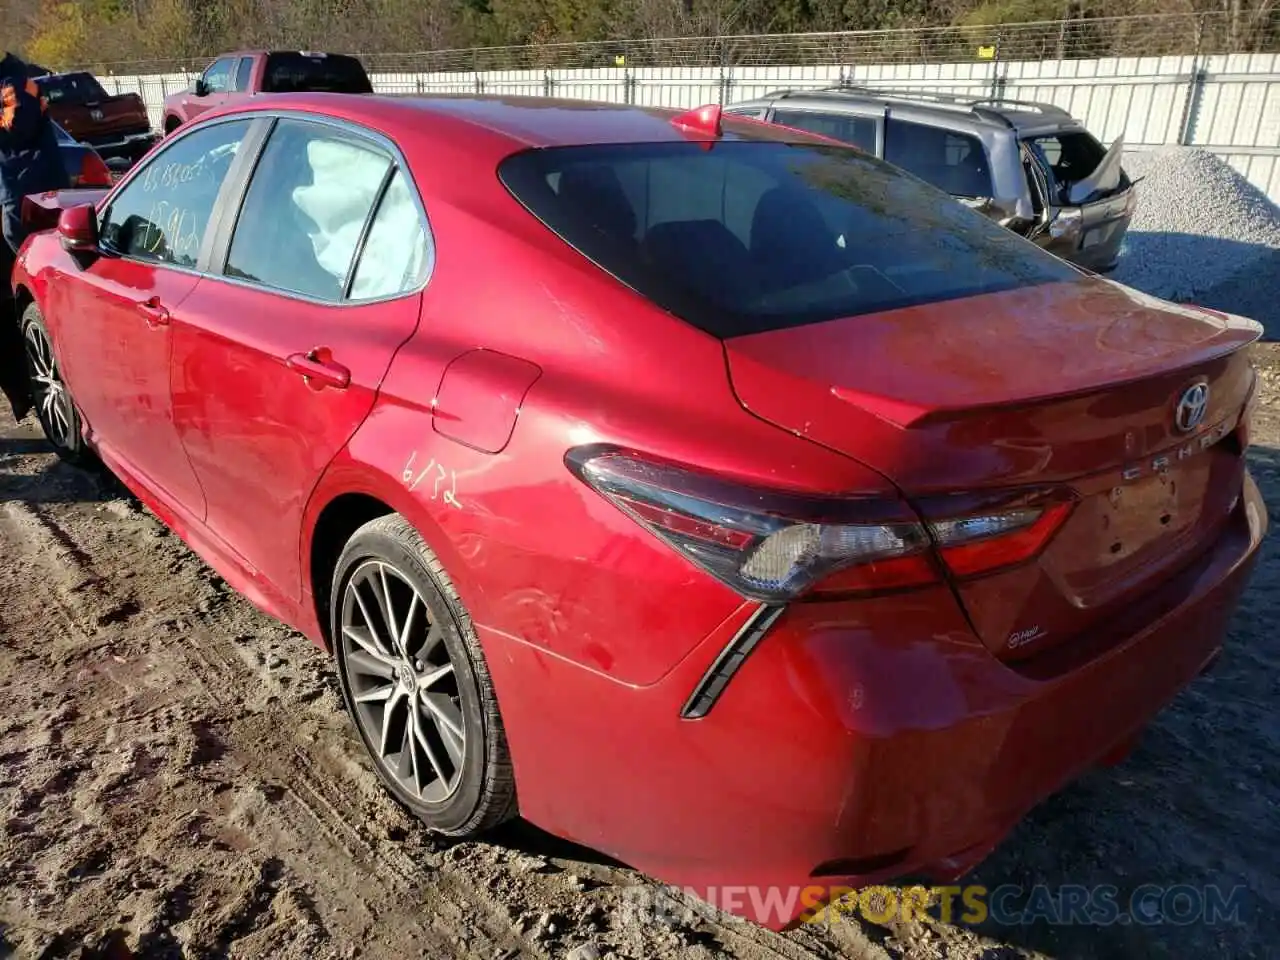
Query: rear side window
{"points": [[859, 131], [300, 72], [396, 254], [954, 162], [755, 235]]}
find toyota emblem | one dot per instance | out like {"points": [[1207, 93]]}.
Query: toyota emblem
{"points": [[1191, 407]]}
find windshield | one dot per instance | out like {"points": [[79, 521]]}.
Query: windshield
{"points": [[71, 88], [748, 236], [319, 72]]}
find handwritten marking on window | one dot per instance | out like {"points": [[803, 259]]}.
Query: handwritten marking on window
{"points": [[172, 228], [438, 475]]}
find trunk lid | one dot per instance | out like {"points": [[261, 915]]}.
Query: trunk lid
{"points": [[40, 211], [1075, 384]]}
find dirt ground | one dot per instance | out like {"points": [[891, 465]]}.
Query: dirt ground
{"points": [[177, 779]]}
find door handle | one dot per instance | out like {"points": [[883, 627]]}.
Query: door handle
{"points": [[154, 312], [319, 368]]}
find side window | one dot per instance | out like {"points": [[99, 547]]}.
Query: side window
{"points": [[306, 207], [954, 162], [755, 113], [243, 73], [218, 77], [858, 131], [163, 212], [396, 252]]}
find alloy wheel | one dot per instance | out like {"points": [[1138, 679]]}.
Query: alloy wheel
{"points": [[48, 393], [404, 687]]}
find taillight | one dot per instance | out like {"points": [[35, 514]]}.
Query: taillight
{"points": [[93, 172], [777, 546], [979, 535]]}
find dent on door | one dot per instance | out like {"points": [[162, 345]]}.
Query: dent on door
{"points": [[479, 398]]}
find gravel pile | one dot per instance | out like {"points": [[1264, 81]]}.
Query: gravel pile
{"points": [[1202, 232]]}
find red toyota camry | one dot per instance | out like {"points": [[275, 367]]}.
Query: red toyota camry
{"points": [[703, 491]]}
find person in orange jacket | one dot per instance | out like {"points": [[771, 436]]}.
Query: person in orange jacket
{"points": [[30, 161]]}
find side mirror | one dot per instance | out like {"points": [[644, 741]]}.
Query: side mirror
{"points": [[78, 229], [201, 88]]}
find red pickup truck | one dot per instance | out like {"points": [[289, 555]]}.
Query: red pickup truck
{"points": [[116, 126], [248, 73]]}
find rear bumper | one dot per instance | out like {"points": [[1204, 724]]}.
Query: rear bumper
{"points": [[129, 146], [858, 741]]}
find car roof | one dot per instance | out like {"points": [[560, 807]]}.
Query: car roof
{"points": [[1021, 116], [260, 52], [522, 121]]}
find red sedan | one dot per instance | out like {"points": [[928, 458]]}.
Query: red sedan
{"points": [[705, 492]]}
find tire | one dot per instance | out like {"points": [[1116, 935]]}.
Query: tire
{"points": [[417, 695], [51, 400]]}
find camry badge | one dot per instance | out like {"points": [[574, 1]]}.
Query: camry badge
{"points": [[1191, 407]]}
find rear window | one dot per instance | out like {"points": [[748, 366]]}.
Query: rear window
{"points": [[71, 88], [1067, 157], [954, 162], [753, 235], [859, 131], [301, 72]]}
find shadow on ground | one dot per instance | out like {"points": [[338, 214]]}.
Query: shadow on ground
{"points": [[1227, 275], [50, 481]]}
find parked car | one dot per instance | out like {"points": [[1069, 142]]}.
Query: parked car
{"points": [[709, 493], [236, 76], [1031, 167], [85, 167], [116, 126]]}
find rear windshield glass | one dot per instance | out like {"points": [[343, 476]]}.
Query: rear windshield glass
{"points": [[751, 236], [328, 73], [71, 88], [858, 131], [1067, 157]]}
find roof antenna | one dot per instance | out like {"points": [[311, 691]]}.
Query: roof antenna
{"points": [[703, 120]]}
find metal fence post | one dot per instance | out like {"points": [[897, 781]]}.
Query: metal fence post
{"points": [[997, 84], [628, 86], [548, 85], [725, 75], [1195, 84]]}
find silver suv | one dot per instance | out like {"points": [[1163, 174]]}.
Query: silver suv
{"points": [[1031, 167]]}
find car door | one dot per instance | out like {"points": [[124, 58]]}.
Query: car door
{"points": [[111, 317], [278, 361], [218, 79]]}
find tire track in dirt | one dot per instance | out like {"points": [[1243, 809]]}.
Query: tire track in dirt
{"points": [[186, 686], [177, 773]]}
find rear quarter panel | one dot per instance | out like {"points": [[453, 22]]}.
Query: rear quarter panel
{"points": [[537, 556]]}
